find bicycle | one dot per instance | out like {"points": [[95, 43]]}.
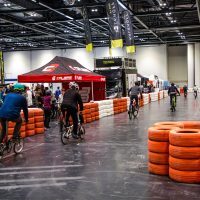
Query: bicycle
{"points": [[134, 110], [17, 144], [67, 133]]}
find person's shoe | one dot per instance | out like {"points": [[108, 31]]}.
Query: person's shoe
{"points": [[48, 127], [129, 112], [75, 136]]}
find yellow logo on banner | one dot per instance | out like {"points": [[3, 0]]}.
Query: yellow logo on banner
{"points": [[130, 49], [117, 43], [89, 47]]}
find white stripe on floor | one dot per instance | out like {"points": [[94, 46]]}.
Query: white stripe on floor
{"points": [[31, 186], [32, 172], [40, 167], [43, 179]]}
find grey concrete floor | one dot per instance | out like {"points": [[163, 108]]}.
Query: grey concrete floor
{"points": [[111, 164]]}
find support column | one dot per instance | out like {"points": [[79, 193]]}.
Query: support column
{"points": [[191, 63], [197, 64]]}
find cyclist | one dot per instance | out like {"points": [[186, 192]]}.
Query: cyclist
{"points": [[195, 89], [71, 100], [133, 93], [172, 91], [185, 88], [10, 111]]}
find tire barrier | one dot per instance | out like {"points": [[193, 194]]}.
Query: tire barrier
{"points": [[174, 147]]}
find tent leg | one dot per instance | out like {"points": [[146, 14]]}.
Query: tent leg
{"points": [[92, 85]]}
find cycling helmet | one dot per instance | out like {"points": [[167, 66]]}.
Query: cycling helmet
{"points": [[73, 85], [19, 87]]}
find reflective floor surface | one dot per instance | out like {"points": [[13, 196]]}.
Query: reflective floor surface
{"points": [[111, 164]]}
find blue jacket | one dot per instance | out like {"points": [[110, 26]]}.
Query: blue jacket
{"points": [[12, 106]]}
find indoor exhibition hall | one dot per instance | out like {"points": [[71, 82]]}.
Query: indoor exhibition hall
{"points": [[99, 99]]}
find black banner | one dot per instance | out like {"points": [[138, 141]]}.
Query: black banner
{"points": [[114, 23], [112, 62], [87, 30], [129, 35]]}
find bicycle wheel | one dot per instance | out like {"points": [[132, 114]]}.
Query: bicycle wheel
{"points": [[135, 112], [82, 132], [18, 146], [2, 147], [65, 135]]}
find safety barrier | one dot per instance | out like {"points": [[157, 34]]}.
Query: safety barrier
{"points": [[174, 150], [111, 107]]}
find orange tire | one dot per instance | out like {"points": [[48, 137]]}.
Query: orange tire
{"points": [[92, 110], [184, 176], [176, 124], [38, 112], [30, 126], [30, 114], [158, 147], [191, 124], [23, 134], [39, 119], [93, 118], [39, 125], [96, 117], [86, 111], [93, 114], [159, 133], [23, 128], [184, 164], [10, 131], [87, 106], [31, 120], [11, 124], [39, 130], [88, 115], [185, 137], [88, 120], [30, 132], [184, 152], [158, 169], [158, 158]]}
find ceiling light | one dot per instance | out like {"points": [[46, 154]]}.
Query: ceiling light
{"points": [[173, 21], [7, 4], [23, 32], [168, 13]]}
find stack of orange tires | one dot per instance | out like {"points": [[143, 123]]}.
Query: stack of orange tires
{"points": [[184, 159], [39, 120], [158, 147], [116, 106], [87, 112], [94, 109]]}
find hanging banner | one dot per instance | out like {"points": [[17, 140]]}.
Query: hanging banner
{"points": [[129, 34], [89, 46], [114, 23], [2, 67]]}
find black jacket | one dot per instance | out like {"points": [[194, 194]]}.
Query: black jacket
{"points": [[72, 98], [173, 90]]}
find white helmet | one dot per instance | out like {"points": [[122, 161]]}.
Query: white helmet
{"points": [[73, 85]]}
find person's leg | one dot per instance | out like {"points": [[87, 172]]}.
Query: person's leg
{"points": [[171, 99], [67, 117], [3, 131], [48, 117], [136, 100], [17, 128], [45, 118], [75, 120], [131, 102]]}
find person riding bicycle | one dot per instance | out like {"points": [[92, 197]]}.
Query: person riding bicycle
{"points": [[195, 89], [10, 111], [172, 91], [185, 89], [71, 100], [133, 93]]}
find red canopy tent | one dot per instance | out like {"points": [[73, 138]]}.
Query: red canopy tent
{"points": [[64, 70]]}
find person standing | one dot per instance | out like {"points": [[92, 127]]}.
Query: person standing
{"points": [[195, 89], [47, 109], [57, 93]]}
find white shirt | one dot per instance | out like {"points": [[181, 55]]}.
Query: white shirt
{"points": [[29, 98]]}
